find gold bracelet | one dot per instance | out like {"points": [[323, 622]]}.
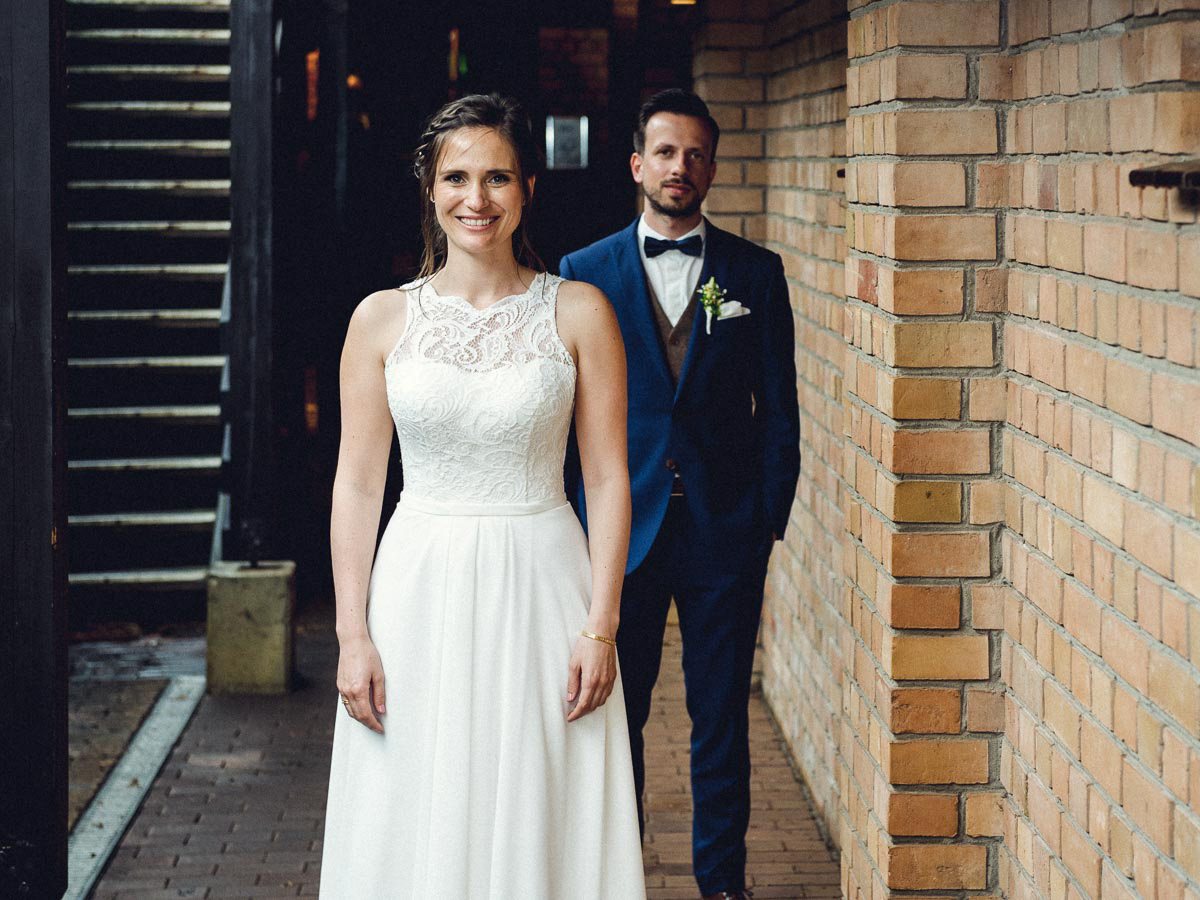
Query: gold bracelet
{"points": [[598, 637]]}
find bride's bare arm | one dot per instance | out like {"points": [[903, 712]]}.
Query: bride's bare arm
{"points": [[357, 495], [590, 331]]}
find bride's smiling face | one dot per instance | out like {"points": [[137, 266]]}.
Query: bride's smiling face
{"points": [[477, 191]]}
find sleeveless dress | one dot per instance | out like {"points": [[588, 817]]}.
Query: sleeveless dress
{"points": [[479, 787]]}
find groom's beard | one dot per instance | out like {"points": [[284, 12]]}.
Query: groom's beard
{"points": [[674, 209]]}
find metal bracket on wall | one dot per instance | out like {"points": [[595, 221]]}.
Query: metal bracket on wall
{"points": [[1183, 174]]}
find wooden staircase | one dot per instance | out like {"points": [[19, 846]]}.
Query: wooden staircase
{"points": [[148, 201]]}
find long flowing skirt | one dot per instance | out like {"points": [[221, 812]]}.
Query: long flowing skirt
{"points": [[479, 787]]}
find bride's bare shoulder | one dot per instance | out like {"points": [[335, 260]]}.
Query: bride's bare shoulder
{"points": [[584, 314], [378, 320], [580, 298]]}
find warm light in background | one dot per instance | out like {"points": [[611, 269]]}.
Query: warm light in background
{"points": [[312, 63], [312, 415], [353, 82], [683, 2], [452, 60]]}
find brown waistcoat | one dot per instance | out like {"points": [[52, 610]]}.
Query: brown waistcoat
{"points": [[674, 340]]}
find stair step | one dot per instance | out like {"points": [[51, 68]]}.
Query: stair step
{"points": [[193, 519], [157, 72], [213, 228], [170, 271], [148, 362], [148, 464], [146, 579], [141, 5], [194, 109], [178, 318], [170, 147], [208, 37], [200, 187], [208, 413]]}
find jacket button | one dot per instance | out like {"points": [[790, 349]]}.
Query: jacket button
{"points": [[671, 465]]}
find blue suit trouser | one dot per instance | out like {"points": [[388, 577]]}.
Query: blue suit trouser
{"points": [[718, 619]]}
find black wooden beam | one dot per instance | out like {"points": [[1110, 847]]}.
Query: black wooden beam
{"points": [[248, 331], [33, 671]]}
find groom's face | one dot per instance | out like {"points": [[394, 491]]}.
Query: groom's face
{"points": [[677, 166]]}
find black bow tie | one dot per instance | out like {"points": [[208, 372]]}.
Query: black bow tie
{"points": [[693, 246]]}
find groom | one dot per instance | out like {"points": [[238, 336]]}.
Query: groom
{"points": [[713, 459]]}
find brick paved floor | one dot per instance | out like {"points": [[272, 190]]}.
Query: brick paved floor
{"points": [[101, 718], [238, 809]]}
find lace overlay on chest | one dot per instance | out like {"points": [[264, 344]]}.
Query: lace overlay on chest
{"points": [[482, 399]]}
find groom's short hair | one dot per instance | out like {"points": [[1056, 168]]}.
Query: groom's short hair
{"points": [[675, 100]]}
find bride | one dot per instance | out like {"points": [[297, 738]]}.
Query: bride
{"points": [[480, 749]]}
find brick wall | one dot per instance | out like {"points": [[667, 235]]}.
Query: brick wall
{"points": [[1100, 451], [982, 635]]}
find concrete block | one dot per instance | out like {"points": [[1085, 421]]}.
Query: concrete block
{"points": [[251, 636]]}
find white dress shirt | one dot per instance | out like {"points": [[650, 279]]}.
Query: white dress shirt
{"points": [[673, 275]]}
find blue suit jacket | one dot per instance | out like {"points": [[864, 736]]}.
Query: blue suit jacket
{"points": [[731, 426]]}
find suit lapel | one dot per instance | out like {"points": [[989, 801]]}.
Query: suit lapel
{"points": [[716, 265], [640, 315]]}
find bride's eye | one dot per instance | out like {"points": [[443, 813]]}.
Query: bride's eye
{"points": [[500, 179]]}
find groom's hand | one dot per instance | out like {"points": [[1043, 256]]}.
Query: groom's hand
{"points": [[592, 672]]}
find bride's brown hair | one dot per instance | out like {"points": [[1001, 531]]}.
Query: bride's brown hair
{"points": [[507, 118]]}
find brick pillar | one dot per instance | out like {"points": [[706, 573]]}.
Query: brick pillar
{"points": [[924, 394]]}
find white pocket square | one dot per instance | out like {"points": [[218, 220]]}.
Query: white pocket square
{"points": [[731, 309]]}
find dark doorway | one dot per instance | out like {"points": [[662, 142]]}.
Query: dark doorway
{"points": [[357, 82]]}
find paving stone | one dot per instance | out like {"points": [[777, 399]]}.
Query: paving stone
{"points": [[238, 809]]}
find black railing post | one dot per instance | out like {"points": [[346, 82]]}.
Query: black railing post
{"points": [[247, 402], [33, 657]]}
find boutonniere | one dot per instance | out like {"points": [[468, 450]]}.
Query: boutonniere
{"points": [[712, 298]]}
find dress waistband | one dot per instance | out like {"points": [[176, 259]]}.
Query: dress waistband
{"points": [[440, 508]]}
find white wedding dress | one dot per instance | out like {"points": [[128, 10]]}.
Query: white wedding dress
{"points": [[479, 789]]}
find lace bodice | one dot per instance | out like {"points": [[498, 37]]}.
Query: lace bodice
{"points": [[482, 399]]}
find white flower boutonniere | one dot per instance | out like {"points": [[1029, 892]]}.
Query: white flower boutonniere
{"points": [[712, 298]]}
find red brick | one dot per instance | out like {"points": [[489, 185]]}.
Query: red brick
{"points": [[920, 292], [926, 710], [1176, 407], [985, 815], [932, 24], [938, 554], [1128, 390], [1147, 805], [939, 762], [937, 866], [940, 452], [921, 606], [923, 815], [917, 132], [1148, 536], [932, 237], [1152, 259], [1176, 122], [957, 344], [944, 657]]}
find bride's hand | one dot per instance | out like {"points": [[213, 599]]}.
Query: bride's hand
{"points": [[360, 681], [592, 673]]}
